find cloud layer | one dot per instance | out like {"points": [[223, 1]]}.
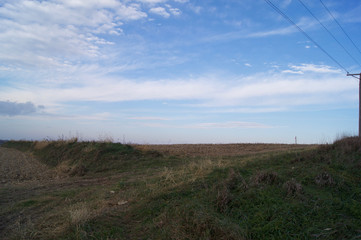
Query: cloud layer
{"points": [[61, 33], [318, 84]]}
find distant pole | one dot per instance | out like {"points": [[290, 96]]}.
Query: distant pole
{"points": [[359, 100]]}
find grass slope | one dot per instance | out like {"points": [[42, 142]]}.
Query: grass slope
{"points": [[125, 193]]}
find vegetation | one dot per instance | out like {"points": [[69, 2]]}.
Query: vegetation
{"points": [[104, 190]]}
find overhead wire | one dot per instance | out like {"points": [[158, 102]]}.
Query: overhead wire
{"points": [[279, 11], [347, 35], [331, 34]]}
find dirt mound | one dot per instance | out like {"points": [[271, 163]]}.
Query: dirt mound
{"points": [[348, 145], [16, 166]]}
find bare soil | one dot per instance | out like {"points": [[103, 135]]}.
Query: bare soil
{"points": [[220, 150], [16, 166]]}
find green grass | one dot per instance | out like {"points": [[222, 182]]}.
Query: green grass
{"points": [[86, 156], [313, 194]]}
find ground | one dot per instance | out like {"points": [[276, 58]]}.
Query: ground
{"points": [[99, 190]]}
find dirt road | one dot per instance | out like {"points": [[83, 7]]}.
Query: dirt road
{"points": [[23, 179], [16, 166]]}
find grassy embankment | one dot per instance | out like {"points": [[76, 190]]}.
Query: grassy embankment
{"points": [[115, 191]]}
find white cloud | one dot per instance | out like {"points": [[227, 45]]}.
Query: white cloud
{"points": [[152, 1], [247, 65], [252, 109], [314, 68], [195, 9], [48, 33], [286, 3], [131, 12], [175, 11], [208, 125], [160, 11], [150, 118], [48, 115], [89, 3], [280, 31], [292, 72], [352, 16], [318, 85], [230, 125], [58, 34], [304, 23]]}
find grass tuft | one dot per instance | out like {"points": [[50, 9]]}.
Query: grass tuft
{"points": [[293, 188], [79, 214], [324, 179], [264, 178]]}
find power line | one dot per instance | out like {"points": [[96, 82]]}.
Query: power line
{"points": [[341, 27], [333, 36], [304, 33]]}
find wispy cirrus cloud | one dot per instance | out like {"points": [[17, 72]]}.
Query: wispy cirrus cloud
{"points": [[303, 68], [292, 71], [304, 23], [245, 33], [285, 3]]}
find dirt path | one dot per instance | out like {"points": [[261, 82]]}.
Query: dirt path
{"points": [[16, 166], [23, 177]]}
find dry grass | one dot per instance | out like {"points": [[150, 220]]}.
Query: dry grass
{"points": [[188, 173], [223, 198], [264, 178], [24, 228], [38, 145], [324, 179], [293, 188], [18, 167], [233, 181], [79, 213]]}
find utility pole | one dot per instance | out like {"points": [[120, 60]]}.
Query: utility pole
{"points": [[359, 100]]}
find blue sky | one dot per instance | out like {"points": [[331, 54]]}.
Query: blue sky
{"points": [[177, 71]]}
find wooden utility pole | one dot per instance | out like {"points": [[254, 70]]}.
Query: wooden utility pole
{"points": [[359, 100]]}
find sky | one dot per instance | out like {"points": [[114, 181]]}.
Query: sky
{"points": [[178, 71]]}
